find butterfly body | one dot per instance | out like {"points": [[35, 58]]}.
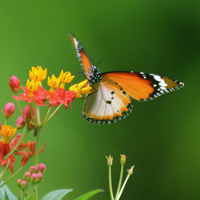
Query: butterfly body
{"points": [[110, 99], [95, 75]]}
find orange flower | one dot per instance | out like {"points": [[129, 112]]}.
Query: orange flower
{"points": [[32, 92], [31, 146]]}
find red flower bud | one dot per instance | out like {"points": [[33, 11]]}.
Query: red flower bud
{"points": [[23, 185], [9, 109], [33, 178], [14, 84], [39, 177], [20, 123], [26, 113], [27, 176], [41, 167]]}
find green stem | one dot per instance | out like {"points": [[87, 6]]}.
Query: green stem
{"points": [[4, 171], [22, 194], [37, 113], [11, 176], [120, 181], [31, 191], [18, 105], [52, 114], [46, 113], [24, 134], [36, 157], [110, 182], [123, 186]]}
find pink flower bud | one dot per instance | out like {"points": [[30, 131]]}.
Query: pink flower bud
{"points": [[39, 177], [23, 185], [14, 84], [26, 113], [20, 123], [27, 176], [19, 182], [9, 109], [41, 167], [33, 169], [33, 178]]}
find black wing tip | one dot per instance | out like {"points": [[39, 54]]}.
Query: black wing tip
{"points": [[161, 92], [102, 122]]}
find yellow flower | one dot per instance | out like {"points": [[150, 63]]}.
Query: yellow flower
{"points": [[7, 132], [38, 74], [53, 82], [31, 86], [82, 87], [65, 78]]}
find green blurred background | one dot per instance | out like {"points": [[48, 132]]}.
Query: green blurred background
{"points": [[161, 137]]}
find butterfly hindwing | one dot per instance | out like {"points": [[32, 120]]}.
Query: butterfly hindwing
{"points": [[108, 104], [142, 86]]}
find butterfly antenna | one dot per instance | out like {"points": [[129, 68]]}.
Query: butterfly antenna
{"points": [[99, 62], [81, 73]]}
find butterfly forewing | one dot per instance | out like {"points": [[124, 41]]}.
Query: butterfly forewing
{"points": [[82, 56], [142, 86]]}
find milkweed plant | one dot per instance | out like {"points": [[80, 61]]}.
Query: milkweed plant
{"points": [[12, 139]]}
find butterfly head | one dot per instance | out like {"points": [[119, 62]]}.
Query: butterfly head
{"points": [[95, 75]]}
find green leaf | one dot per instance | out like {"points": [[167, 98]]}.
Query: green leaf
{"points": [[56, 194], [88, 195], [5, 193], [6, 196]]}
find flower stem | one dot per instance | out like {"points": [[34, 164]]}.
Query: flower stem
{"points": [[52, 114], [37, 113], [36, 157], [31, 192], [20, 110], [123, 186], [120, 180], [11, 176], [110, 182], [46, 113]]}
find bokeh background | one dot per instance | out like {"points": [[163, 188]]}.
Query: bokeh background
{"points": [[161, 137]]}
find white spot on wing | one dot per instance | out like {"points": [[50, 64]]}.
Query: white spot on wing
{"points": [[160, 80]]}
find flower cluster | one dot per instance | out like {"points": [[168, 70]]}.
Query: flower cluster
{"points": [[56, 95], [34, 94], [11, 146], [13, 143]]}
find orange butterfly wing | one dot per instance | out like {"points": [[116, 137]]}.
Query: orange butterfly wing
{"points": [[83, 58], [142, 86]]}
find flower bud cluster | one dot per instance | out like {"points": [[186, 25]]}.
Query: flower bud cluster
{"points": [[34, 175]]}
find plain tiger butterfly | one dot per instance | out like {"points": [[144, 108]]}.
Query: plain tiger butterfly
{"points": [[110, 101]]}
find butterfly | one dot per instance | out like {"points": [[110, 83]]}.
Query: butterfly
{"points": [[110, 99]]}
